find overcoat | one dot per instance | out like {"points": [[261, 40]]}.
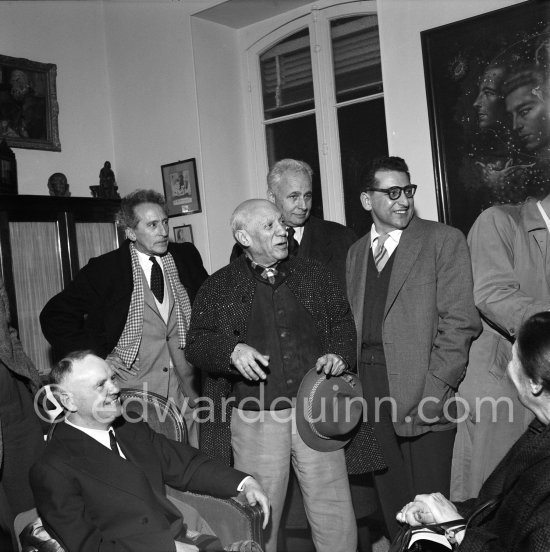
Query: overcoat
{"points": [[219, 322]]}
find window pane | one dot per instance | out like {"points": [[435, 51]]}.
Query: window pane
{"points": [[297, 139], [356, 57], [362, 129], [287, 82]]}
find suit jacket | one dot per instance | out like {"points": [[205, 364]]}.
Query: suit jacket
{"points": [[522, 480], [325, 241], [91, 312], [219, 321], [91, 499], [429, 320]]}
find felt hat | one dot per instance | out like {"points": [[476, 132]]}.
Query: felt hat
{"points": [[328, 409]]}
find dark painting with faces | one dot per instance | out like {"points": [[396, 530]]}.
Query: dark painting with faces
{"points": [[488, 90]]}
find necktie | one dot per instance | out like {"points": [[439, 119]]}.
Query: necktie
{"points": [[381, 253], [293, 245], [157, 280], [113, 442]]}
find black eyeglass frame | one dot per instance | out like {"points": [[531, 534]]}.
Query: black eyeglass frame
{"points": [[409, 190]]}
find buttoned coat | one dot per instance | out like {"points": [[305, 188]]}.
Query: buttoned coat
{"points": [[522, 480], [219, 322], [511, 267], [91, 499], [429, 320], [91, 312], [324, 241]]}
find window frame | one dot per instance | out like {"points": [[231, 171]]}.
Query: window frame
{"points": [[316, 17]]}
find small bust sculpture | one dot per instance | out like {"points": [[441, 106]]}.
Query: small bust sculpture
{"points": [[58, 185]]}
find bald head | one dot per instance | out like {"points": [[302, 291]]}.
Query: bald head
{"points": [[257, 225]]}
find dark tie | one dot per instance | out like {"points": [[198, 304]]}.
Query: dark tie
{"points": [[157, 280], [381, 253], [293, 245], [113, 442]]}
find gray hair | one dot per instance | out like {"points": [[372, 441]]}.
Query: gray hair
{"points": [[279, 171], [126, 216], [65, 366]]}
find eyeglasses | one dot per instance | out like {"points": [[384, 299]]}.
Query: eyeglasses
{"points": [[395, 191]]}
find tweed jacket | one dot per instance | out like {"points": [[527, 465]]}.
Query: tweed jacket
{"points": [[219, 321], [91, 499], [324, 241], [429, 321], [521, 520], [12, 356], [91, 312]]}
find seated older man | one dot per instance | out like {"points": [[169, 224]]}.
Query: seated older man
{"points": [[520, 484], [100, 483]]}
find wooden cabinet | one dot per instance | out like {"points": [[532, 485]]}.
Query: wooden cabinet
{"points": [[44, 241]]}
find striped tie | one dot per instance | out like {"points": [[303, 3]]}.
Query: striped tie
{"points": [[381, 253]]}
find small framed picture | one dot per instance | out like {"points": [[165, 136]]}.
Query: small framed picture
{"points": [[183, 234], [181, 188]]}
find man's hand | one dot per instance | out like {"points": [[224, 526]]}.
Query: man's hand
{"points": [[428, 508], [246, 359], [182, 547], [330, 364], [255, 494], [118, 367]]}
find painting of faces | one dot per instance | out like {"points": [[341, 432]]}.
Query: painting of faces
{"points": [[488, 88]]}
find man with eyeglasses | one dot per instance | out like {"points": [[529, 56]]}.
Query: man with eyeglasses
{"points": [[409, 283]]}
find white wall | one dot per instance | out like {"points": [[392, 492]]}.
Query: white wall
{"points": [[69, 34], [155, 119], [221, 96], [404, 89]]}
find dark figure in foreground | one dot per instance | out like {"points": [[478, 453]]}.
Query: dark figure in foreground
{"points": [[519, 521]]}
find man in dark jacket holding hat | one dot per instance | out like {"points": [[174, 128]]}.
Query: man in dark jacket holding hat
{"points": [[258, 325]]}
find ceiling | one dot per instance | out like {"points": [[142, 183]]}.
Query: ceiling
{"points": [[241, 13]]}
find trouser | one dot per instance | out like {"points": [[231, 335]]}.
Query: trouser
{"points": [[415, 465], [264, 444]]}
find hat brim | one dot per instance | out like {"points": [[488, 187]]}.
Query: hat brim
{"points": [[310, 438]]}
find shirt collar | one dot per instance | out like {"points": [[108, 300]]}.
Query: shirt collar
{"points": [[99, 435], [298, 233], [394, 235]]}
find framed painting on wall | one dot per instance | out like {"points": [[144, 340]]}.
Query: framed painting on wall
{"points": [[181, 188], [28, 104], [183, 234], [488, 90]]}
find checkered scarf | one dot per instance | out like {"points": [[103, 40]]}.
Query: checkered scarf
{"points": [[128, 344]]}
